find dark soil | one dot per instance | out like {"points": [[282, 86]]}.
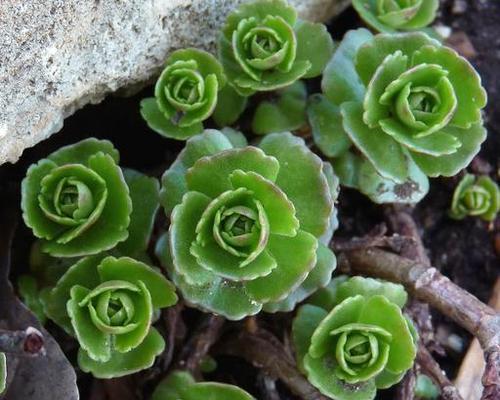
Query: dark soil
{"points": [[462, 250]]}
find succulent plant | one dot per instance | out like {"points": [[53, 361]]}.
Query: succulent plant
{"points": [[185, 94], [109, 304], [407, 106], [3, 372], [425, 388], [76, 200], [396, 15], [263, 46], [476, 197], [180, 385], [353, 338], [248, 226]]}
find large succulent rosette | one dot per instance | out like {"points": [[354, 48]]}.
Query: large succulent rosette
{"points": [[76, 200], [109, 304], [264, 46], [396, 15], [353, 339], [186, 94], [248, 225], [407, 106], [180, 385]]}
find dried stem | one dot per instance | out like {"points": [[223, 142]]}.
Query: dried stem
{"points": [[22, 343], [428, 285], [199, 344], [270, 356], [431, 368]]}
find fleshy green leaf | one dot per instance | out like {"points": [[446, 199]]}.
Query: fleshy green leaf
{"points": [[206, 63], [219, 391], [54, 302], [375, 144], [174, 386], [347, 168], [321, 373], [379, 311], [144, 193], [218, 296], [449, 165], [279, 210], [307, 319], [184, 220], [326, 297], [79, 153], [210, 175], [382, 190], [340, 80], [174, 184], [230, 105], [129, 270], [157, 121], [369, 287], [342, 314], [466, 82], [314, 44], [120, 364], [326, 125], [295, 257], [3, 372], [236, 138], [93, 341], [386, 379], [300, 177], [286, 113], [373, 52], [319, 276]]}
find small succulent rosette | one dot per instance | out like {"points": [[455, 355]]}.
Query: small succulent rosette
{"points": [[180, 385], [185, 94], [476, 197], [353, 338], [397, 15], [3, 372], [397, 109], [264, 46], [76, 200], [249, 226], [109, 304]]}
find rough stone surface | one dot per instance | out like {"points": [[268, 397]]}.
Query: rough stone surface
{"points": [[58, 55]]}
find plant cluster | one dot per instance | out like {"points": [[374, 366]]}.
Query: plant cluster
{"points": [[249, 223]]}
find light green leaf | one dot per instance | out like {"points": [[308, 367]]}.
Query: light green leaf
{"points": [[347, 168], [230, 105], [120, 364], [375, 144], [326, 125], [3, 372], [449, 165], [340, 81], [79, 153], [319, 276], [159, 123], [174, 386], [295, 257], [127, 269], [285, 113], [382, 190], [237, 139], [314, 44], [174, 184], [95, 343], [304, 324], [301, 178], [210, 175], [144, 193]]}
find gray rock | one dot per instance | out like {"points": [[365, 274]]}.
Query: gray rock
{"points": [[58, 55]]}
